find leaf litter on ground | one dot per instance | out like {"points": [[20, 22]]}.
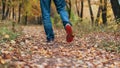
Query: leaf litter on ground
{"points": [[31, 51]]}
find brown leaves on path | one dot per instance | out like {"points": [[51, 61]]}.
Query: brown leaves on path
{"points": [[31, 51]]}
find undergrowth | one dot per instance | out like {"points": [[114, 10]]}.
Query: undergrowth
{"points": [[7, 33]]}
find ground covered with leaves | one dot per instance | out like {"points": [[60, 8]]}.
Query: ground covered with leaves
{"points": [[94, 50]]}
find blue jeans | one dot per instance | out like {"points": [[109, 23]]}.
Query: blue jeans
{"points": [[45, 8]]}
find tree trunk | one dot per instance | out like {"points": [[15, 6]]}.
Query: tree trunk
{"points": [[116, 9], [77, 8], [8, 9], [104, 12], [3, 9], [82, 7], [13, 13], [7, 12], [98, 13], [91, 12], [19, 12], [70, 8]]}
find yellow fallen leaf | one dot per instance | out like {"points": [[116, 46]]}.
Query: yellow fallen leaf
{"points": [[2, 61], [6, 36]]}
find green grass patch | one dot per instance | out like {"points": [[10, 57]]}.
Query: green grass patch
{"points": [[7, 33]]}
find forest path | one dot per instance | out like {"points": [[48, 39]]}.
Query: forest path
{"points": [[32, 51]]}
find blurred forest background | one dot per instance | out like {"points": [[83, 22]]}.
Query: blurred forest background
{"points": [[90, 18], [96, 11]]}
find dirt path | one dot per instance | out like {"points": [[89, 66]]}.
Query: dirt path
{"points": [[31, 51]]}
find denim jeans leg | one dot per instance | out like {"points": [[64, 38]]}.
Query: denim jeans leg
{"points": [[60, 5], [45, 8]]}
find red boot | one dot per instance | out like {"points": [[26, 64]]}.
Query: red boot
{"points": [[69, 37]]}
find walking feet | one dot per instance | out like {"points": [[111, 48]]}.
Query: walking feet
{"points": [[69, 37], [50, 41]]}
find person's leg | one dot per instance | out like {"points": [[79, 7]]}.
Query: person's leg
{"points": [[45, 8], [60, 5]]}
